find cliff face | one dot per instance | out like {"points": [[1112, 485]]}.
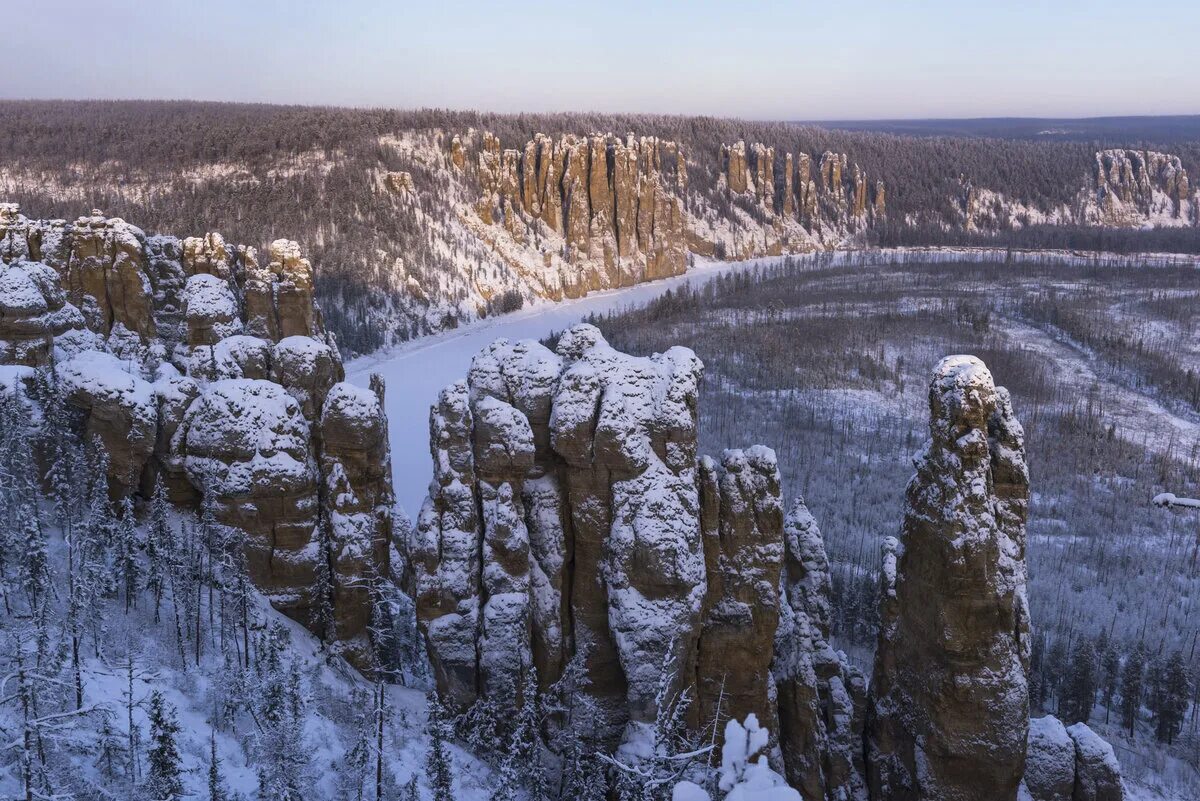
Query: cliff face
{"points": [[1141, 187], [572, 214], [201, 364], [602, 211], [569, 513]]}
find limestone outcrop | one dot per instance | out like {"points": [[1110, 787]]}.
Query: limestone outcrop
{"points": [[949, 705], [600, 211], [1142, 187], [195, 362]]}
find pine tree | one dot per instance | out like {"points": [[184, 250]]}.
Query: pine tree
{"points": [[1079, 695], [164, 770], [355, 762], [1110, 677], [159, 546], [1056, 671], [438, 767], [508, 778], [1132, 687], [216, 788], [577, 724], [1171, 691], [282, 756], [128, 563], [323, 618]]}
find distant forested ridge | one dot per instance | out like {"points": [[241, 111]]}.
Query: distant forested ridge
{"points": [[417, 220]]}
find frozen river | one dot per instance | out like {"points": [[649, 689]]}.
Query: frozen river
{"points": [[418, 370]]}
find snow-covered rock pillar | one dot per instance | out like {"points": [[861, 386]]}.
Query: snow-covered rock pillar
{"points": [[949, 707]]}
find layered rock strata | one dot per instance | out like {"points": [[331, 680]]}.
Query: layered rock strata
{"points": [[199, 363]]}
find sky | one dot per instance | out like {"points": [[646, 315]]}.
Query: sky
{"points": [[757, 59]]}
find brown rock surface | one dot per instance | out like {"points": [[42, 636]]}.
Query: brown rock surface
{"points": [[356, 474], [949, 702], [742, 524]]}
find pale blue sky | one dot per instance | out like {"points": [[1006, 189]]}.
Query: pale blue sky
{"points": [[756, 58]]}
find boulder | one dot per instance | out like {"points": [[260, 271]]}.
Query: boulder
{"points": [[1049, 761], [1097, 772]]}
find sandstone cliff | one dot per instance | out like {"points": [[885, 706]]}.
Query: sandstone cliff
{"points": [[571, 214], [202, 364]]}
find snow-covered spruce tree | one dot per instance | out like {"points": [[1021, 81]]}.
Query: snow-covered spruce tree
{"points": [[281, 756], [508, 781], [439, 775], [574, 720], [358, 759], [164, 765], [1170, 693], [127, 555], [1079, 694], [323, 621], [1110, 677], [159, 547], [215, 786], [1132, 687]]}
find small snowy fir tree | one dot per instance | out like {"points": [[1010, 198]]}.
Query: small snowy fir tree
{"points": [[1132, 687], [744, 774], [216, 787], [438, 769], [164, 767]]}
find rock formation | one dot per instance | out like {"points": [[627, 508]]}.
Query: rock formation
{"points": [[600, 211], [569, 512], [1139, 187], [949, 703], [801, 213], [195, 363], [1070, 764]]}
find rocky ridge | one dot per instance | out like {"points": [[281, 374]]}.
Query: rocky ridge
{"points": [[201, 364], [570, 513], [1141, 187]]}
